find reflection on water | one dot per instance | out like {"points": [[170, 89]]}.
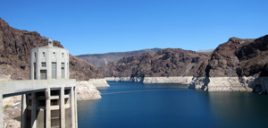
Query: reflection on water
{"points": [[134, 105], [239, 109]]}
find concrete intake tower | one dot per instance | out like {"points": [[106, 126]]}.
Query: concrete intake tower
{"points": [[48, 100]]}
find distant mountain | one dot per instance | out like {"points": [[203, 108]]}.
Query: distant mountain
{"points": [[15, 47], [101, 60], [164, 62], [206, 50]]}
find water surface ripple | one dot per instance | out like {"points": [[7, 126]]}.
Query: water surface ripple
{"points": [[135, 105]]}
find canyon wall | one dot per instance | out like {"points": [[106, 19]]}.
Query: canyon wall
{"points": [[237, 65]]}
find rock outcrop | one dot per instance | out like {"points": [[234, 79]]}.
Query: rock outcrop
{"points": [[11, 123], [15, 47], [12, 110], [238, 64], [88, 90]]}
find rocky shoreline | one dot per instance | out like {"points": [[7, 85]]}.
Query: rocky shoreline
{"points": [[217, 84], [88, 90], [120, 79], [154, 80], [169, 80], [210, 84]]}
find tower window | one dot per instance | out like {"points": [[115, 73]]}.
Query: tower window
{"points": [[44, 54], [54, 70], [34, 70], [43, 74], [44, 64], [62, 70], [62, 55]]}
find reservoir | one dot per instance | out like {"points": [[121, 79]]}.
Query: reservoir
{"points": [[135, 105]]}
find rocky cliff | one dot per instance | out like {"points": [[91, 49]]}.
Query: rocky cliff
{"points": [[237, 63], [15, 47], [164, 63]]}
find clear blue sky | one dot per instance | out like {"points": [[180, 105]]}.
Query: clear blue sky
{"points": [[98, 26]]}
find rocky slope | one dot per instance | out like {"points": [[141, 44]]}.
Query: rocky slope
{"points": [[102, 60], [81, 70], [15, 47], [164, 63], [237, 63]]}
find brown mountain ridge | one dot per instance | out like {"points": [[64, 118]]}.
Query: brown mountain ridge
{"points": [[15, 47]]}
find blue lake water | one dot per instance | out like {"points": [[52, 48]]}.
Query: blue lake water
{"points": [[135, 105]]}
